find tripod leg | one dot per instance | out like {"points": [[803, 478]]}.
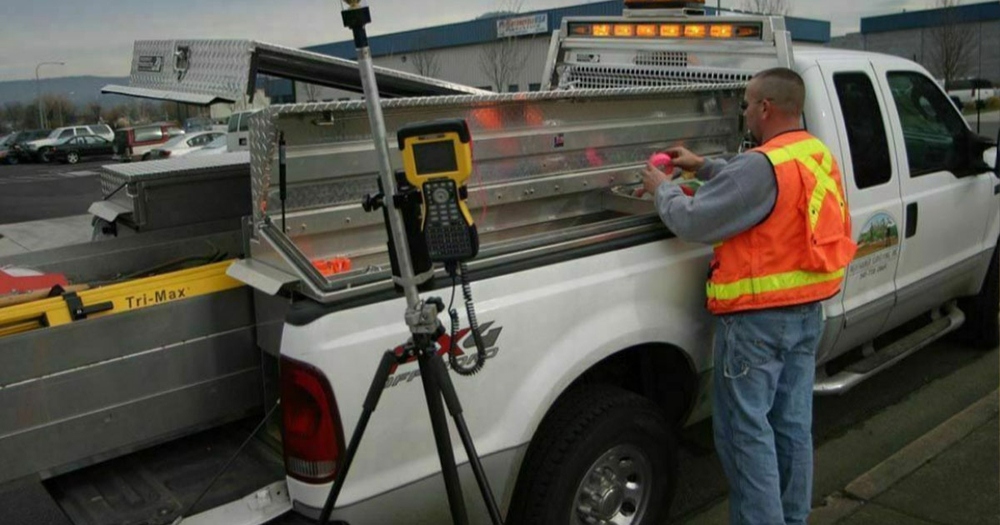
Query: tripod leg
{"points": [[439, 424], [371, 401], [447, 388]]}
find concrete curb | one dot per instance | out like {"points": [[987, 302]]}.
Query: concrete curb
{"points": [[883, 476]]}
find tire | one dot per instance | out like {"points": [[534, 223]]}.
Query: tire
{"points": [[982, 311], [12, 160], [45, 156], [604, 440], [145, 157], [72, 157]]}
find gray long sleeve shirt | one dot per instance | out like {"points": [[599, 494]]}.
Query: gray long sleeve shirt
{"points": [[736, 196]]}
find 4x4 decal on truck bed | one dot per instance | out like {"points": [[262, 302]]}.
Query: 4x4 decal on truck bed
{"points": [[490, 338]]}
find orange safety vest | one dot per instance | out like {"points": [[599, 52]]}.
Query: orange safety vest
{"points": [[798, 254]]}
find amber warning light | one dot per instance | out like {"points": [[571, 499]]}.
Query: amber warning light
{"points": [[664, 31]]}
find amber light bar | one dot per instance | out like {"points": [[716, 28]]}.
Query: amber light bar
{"points": [[649, 30]]}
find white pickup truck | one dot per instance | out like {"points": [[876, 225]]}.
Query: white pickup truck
{"points": [[600, 347], [593, 314]]}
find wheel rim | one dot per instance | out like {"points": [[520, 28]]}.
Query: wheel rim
{"points": [[72, 158], [615, 490]]}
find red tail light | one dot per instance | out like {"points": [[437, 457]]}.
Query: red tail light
{"points": [[313, 436]]}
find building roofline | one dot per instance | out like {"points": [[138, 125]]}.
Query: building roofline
{"points": [[969, 13], [482, 30]]}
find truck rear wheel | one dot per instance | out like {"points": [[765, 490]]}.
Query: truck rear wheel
{"points": [[602, 456], [982, 311]]}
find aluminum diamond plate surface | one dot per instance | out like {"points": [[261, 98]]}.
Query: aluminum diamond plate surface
{"points": [[331, 153], [215, 67], [200, 71]]}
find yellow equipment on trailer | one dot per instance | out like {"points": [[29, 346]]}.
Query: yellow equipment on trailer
{"points": [[116, 298]]}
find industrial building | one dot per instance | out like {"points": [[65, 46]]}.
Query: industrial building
{"points": [[919, 36], [504, 53]]}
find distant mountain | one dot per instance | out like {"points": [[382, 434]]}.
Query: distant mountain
{"points": [[80, 90]]}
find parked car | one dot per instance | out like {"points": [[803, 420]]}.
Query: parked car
{"points": [[40, 149], [130, 143], [184, 144], [216, 147], [74, 149], [971, 91], [4, 145], [16, 151], [238, 132]]}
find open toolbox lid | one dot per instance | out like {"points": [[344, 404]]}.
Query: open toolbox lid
{"points": [[204, 72]]}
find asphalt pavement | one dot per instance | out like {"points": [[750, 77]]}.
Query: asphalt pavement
{"points": [[31, 192]]}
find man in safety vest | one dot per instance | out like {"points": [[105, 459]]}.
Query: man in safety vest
{"points": [[779, 222]]}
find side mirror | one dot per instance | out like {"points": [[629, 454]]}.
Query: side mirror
{"points": [[974, 160]]}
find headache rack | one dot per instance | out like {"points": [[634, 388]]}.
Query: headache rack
{"points": [[646, 48]]}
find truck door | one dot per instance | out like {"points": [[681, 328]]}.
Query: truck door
{"points": [[871, 180], [946, 214]]}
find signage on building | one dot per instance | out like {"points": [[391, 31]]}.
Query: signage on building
{"points": [[523, 25]]}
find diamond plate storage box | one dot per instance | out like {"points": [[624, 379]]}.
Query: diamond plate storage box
{"points": [[176, 192]]}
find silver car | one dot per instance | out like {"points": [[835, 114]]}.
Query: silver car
{"points": [[184, 144]]}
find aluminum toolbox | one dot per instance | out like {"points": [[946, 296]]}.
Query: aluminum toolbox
{"points": [[176, 192]]}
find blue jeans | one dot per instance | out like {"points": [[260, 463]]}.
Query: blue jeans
{"points": [[765, 365]]}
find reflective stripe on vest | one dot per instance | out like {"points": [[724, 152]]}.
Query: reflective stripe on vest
{"points": [[804, 152], [768, 283]]}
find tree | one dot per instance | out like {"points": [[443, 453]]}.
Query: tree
{"points": [[767, 7], [503, 59], [425, 62], [311, 91], [59, 110], [951, 49], [13, 117], [94, 110]]}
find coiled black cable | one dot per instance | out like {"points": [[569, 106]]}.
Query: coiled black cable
{"points": [[470, 310]]}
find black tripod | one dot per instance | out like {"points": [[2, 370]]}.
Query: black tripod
{"points": [[421, 315], [437, 383]]}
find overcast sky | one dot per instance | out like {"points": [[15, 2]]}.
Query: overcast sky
{"points": [[95, 37]]}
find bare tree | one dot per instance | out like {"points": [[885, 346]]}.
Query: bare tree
{"points": [[59, 110], [503, 59], [951, 49], [426, 63], [13, 116], [767, 7], [311, 91], [94, 110]]}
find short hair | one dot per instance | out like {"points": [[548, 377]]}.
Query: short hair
{"points": [[784, 88]]}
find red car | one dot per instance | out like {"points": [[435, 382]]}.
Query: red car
{"points": [[138, 141]]}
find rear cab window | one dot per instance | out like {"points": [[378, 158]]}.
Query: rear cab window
{"points": [[865, 129], [245, 122]]}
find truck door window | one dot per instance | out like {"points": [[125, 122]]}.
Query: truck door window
{"points": [[865, 129], [933, 131]]}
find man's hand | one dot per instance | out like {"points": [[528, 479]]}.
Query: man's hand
{"points": [[685, 159], [652, 178]]}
